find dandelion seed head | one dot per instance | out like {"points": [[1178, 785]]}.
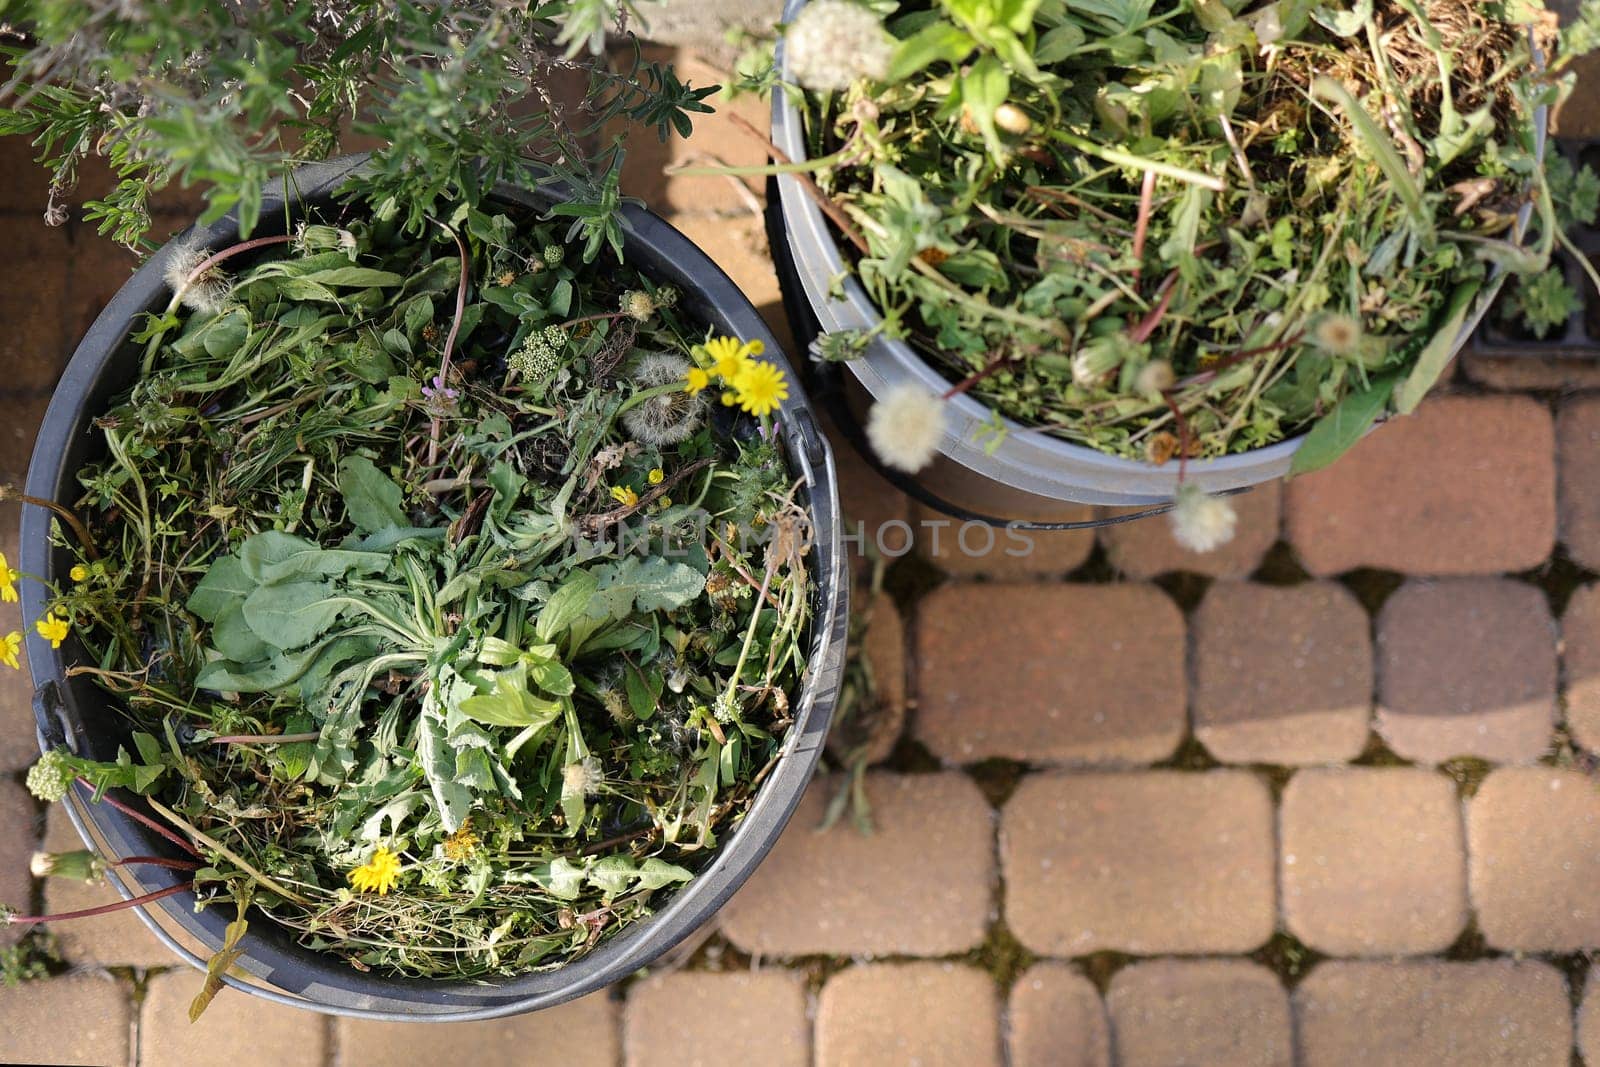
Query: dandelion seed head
{"points": [[671, 417], [831, 43], [208, 293], [905, 427], [1201, 522], [585, 777], [1337, 334]]}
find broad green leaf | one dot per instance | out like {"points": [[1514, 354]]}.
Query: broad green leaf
{"points": [[355, 278], [322, 563], [1336, 432], [370, 496], [1433, 359], [224, 676], [452, 801], [262, 550], [566, 605], [233, 637], [560, 877], [291, 614], [933, 43], [225, 585], [649, 584], [226, 334], [510, 703]]}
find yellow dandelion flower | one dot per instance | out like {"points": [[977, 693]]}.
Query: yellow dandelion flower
{"points": [[656, 476], [697, 380], [761, 388], [8, 580], [79, 573], [461, 844], [728, 357], [624, 495], [53, 628], [379, 874], [729, 398], [10, 645]]}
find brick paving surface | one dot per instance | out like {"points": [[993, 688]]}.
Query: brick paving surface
{"points": [[1433, 1012], [1372, 861], [1533, 842], [1413, 498], [1144, 863], [1221, 1013], [1057, 1020], [929, 1014], [1467, 667], [1281, 674], [1327, 796], [1055, 673]]}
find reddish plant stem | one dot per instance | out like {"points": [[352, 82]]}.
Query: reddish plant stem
{"points": [[1141, 229], [234, 250], [141, 817], [1140, 333], [813, 190], [79, 530], [1183, 434], [103, 909], [995, 367], [157, 861]]}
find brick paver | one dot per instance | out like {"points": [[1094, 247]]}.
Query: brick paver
{"points": [[117, 939], [238, 1029], [1425, 1012], [1078, 674], [873, 730], [35, 344], [1578, 461], [24, 414], [1464, 486], [1373, 861], [1580, 666], [1467, 667], [1589, 1018], [1056, 1019], [1282, 674], [1201, 1013], [1533, 841], [19, 836], [74, 1019], [972, 548], [920, 883], [927, 1014], [1146, 548], [582, 1033], [755, 1018], [1144, 863]]}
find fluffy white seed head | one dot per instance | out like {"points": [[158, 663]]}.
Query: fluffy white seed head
{"points": [[583, 777], [671, 417], [905, 427], [1201, 522], [1155, 377], [831, 43], [208, 293]]}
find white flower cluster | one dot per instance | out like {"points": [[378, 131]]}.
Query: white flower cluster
{"points": [[831, 43]]}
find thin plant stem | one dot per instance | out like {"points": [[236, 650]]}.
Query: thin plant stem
{"points": [[103, 909]]}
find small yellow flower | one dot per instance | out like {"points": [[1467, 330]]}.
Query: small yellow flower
{"points": [[697, 380], [79, 573], [656, 476], [10, 645], [53, 628], [461, 844], [624, 495], [761, 387], [8, 580], [665, 502], [379, 874], [728, 357], [729, 398]]}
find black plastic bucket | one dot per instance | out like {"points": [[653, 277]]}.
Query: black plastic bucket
{"points": [[77, 713]]}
